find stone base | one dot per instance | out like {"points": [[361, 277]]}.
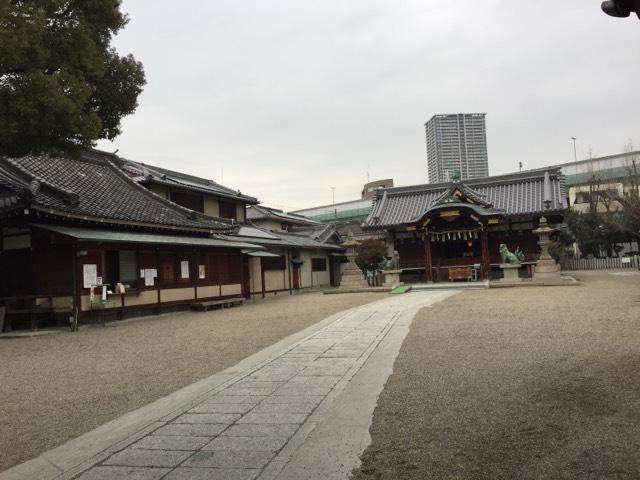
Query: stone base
{"points": [[546, 270], [391, 278], [510, 272], [353, 280]]}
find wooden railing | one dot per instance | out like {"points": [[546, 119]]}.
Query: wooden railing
{"points": [[632, 262]]}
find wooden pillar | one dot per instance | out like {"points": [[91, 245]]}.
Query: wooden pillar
{"points": [[427, 257], [486, 260], [262, 276], [288, 260]]}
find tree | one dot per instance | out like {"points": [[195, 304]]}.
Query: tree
{"points": [[370, 254], [629, 218], [62, 85]]}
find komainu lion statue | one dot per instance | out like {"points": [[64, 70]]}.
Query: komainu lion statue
{"points": [[509, 257]]}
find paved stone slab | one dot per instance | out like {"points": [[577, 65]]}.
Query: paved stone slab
{"points": [[224, 418], [253, 399], [229, 459], [302, 389], [249, 391], [133, 457], [262, 430], [298, 407], [207, 407], [266, 417], [170, 442], [119, 473], [272, 418], [273, 374], [191, 429], [293, 399], [186, 473], [249, 383], [264, 444]]}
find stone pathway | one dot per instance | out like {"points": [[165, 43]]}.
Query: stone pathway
{"points": [[252, 426]]}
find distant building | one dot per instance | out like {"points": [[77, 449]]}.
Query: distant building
{"points": [[457, 145], [370, 189], [347, 216], [600, 177]]}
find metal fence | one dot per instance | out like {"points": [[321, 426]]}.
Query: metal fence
{"points": [[600, 263]]}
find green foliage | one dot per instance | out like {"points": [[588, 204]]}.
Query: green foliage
{"points": [[62, 86], [370, 254], [629, 220], [595, 232]]}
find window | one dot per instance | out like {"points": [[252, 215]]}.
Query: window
{"points": [[228, 209], [128, 266], [192, 202], [120, 267], [273, 263], [318, 264]]}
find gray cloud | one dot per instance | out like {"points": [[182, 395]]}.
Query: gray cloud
{"points": [[290, 97]]}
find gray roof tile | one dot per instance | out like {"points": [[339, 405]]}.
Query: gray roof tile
{"points": [[517, 194], [95, 188]]}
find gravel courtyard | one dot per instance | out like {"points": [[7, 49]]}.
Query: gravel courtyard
{"points": [[526, 383], [56, 387]]}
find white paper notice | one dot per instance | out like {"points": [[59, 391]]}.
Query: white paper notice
{"points": [[201, 272], [89, 275], [184, 269], [148, 277], [142, 273]]}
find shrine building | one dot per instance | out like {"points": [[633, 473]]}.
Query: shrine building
{"points": [[453, 231]]}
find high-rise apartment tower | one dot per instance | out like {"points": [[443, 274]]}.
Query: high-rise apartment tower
{"points": [[457, 144]]}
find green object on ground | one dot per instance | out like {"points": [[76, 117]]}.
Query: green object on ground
{"points": [[401, 289]]}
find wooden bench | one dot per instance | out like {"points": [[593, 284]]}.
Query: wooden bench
{"points": [[227, 302], [459, 273]]}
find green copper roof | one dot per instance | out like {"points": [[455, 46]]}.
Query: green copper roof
{"points": [[93, 235]]}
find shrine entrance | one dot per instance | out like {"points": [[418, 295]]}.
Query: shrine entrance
{"points": [[455, 232]]}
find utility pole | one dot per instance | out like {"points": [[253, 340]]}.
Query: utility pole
{"points": [[575, 155], [333, 201]]}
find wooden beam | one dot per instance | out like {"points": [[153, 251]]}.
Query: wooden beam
{"points": [[427, 257], [486, 261]]}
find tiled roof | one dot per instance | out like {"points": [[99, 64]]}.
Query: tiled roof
{"points": [[147, 174], [267, 238], [93, 188], [259, 212], [321, 232], [516, 194]]}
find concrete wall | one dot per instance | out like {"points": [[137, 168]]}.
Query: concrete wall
{"points": [[150, 297], [211, 206], [235, 289], [209, 291], [310, 278], [159, 190], [241, 212]]}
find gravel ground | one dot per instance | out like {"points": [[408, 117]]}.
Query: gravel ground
{"points": [[535, 383], [57, 387]]}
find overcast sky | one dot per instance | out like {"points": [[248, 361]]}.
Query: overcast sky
{"points": [[284, 99]]}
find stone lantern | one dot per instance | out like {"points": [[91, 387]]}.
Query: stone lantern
{"points": [[546, 267], [352, 277]]}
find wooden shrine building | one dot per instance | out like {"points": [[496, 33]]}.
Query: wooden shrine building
{"points": [[450, 231], [83, 236]]}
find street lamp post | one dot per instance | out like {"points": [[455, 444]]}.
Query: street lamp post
{"points": [[575, 155], [333, 201]]}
